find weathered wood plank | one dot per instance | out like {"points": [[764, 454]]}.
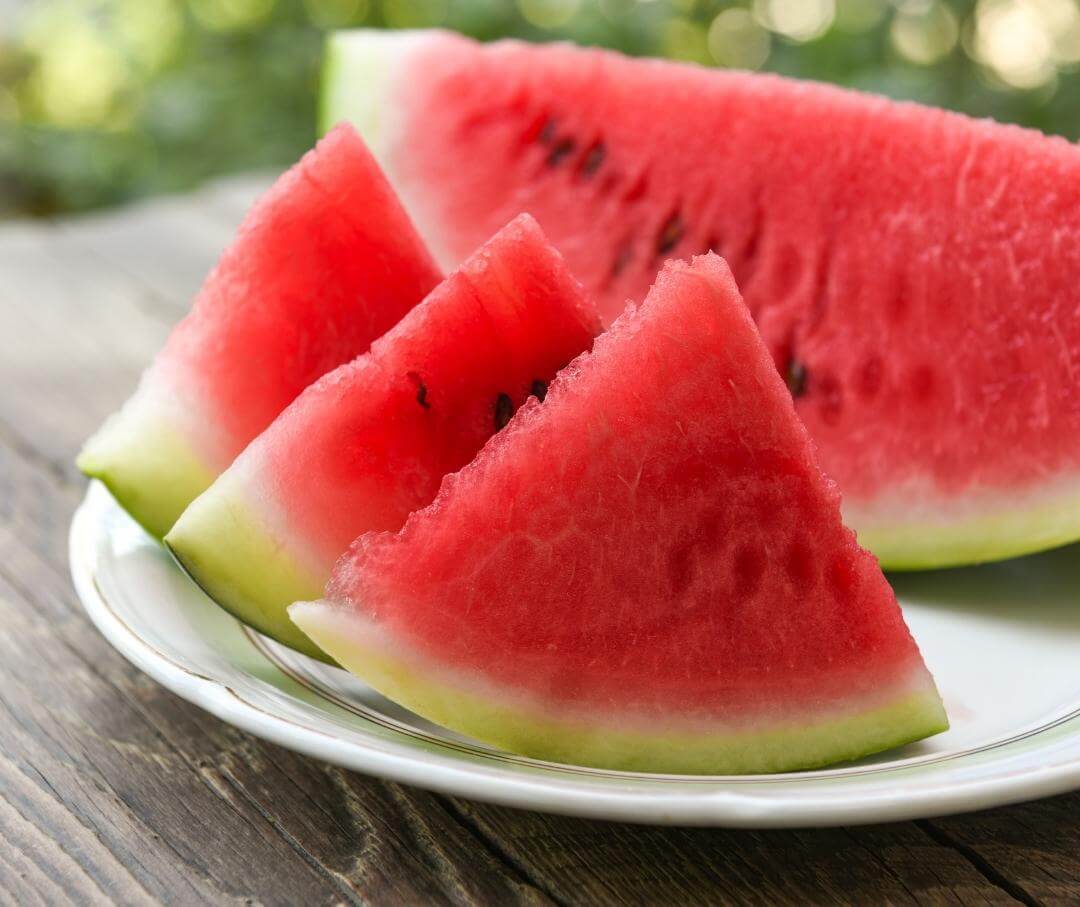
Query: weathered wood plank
{"points": [[583, 862], [75, 336], [76, 741], [229, 199], [1033, 848], [166, 245], [34, 869]]}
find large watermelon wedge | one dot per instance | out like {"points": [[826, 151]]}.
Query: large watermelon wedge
{"points": [[914, 272], [646, 572], [324, 263], [370, 442]]}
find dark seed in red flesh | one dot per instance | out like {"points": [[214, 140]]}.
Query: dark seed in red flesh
{"points": [[796, 378], [504, 409]]}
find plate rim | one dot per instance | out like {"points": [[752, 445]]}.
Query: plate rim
{"points": [[712, 803]]}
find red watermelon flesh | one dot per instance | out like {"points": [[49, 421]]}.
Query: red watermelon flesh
{"points": [[370, 442], [914, 272], [648, 571], [325, 262]]}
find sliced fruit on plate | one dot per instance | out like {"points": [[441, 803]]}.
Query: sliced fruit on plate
{"points": [[648, 571], [913, 271], [326, 261], [370, 442]]}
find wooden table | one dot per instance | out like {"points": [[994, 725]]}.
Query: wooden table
{"points": [[113, 790]]}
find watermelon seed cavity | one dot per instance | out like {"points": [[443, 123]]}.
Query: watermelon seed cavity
{"points": [[898, 303], [637, 190], [546, 135], [749, 570], [744, 265], [539, 390], [622, 258], [922, 383], [832, 398], [871, 376]]}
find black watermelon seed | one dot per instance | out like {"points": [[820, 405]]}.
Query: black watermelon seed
{"points": [[539, 390], [421, 389], [592, 160], [796, 378], [670, 234], [504, 409], [561, 150]]}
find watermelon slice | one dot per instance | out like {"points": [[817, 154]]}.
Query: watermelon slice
{"points": [[913, 272], [369, 443], [324, 263], [647, 572]]}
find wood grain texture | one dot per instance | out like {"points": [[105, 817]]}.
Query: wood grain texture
{"points": [[115, 791], [594, 862]]}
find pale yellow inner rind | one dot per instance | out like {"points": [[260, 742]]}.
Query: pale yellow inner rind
{"points": [[490, 715], [1010, 526], [230, 553], [359, 72], [148, 465]]}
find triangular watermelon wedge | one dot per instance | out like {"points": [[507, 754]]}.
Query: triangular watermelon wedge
{"points": [[326, 261], [369, 442], [647, 571]]}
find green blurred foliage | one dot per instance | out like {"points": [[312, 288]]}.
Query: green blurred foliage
{"points": [[106, 100]]}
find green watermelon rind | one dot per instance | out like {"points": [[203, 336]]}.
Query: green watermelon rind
{"points": [[147, 464], [361, 57], [1033, 523], [227, 552], [485, 713]]}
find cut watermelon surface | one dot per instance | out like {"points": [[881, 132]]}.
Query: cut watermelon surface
{"points": [[324, 263], [913, 272], [370, 442], [648, 571]]}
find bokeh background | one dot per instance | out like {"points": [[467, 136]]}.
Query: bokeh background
{"points": [[106, 100]]}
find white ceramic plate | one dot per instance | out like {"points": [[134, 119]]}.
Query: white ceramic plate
{"points": [[1003, 642]]}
